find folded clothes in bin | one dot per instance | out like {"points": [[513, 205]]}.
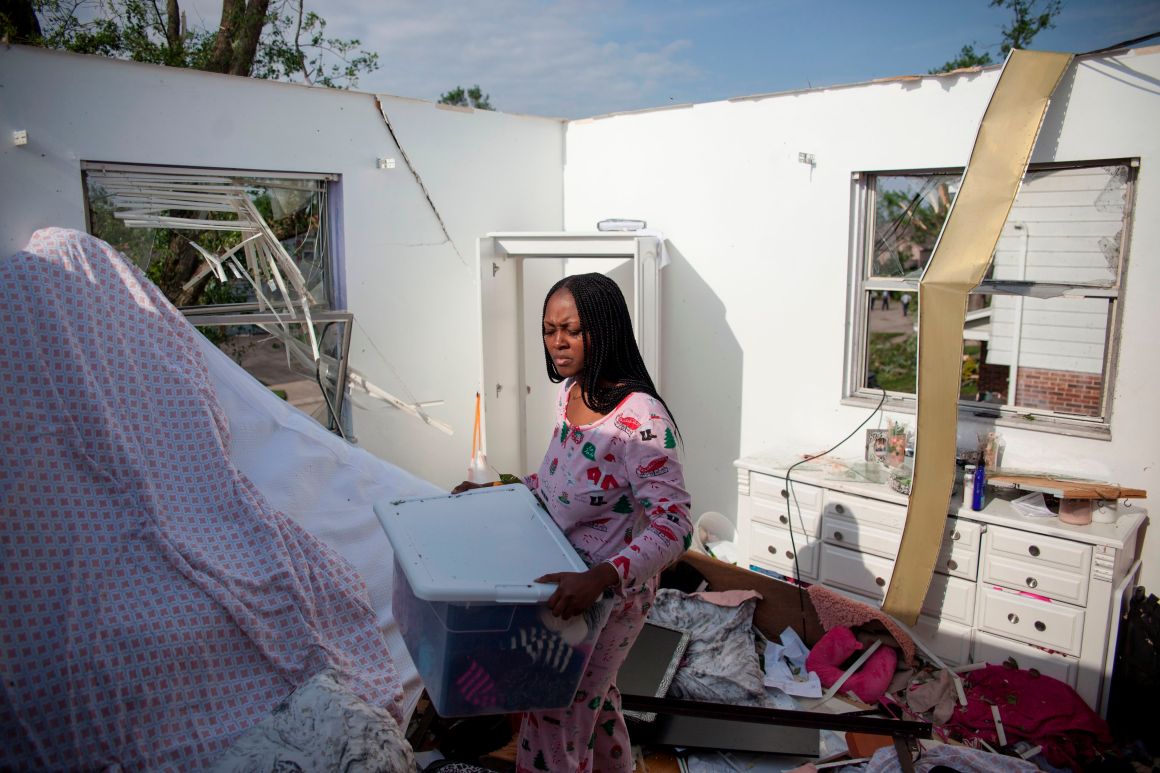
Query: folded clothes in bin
{"points": [[477, 627]]}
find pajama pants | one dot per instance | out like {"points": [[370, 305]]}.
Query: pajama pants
{"points": [[590, 735]]}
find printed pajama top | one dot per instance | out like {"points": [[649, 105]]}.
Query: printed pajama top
{"points": [[616, 487]]}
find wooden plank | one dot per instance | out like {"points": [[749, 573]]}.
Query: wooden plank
{"points": [[1067, 488]]}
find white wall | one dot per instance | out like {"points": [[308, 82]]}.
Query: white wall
{"points": [[755, 302], [412, 294], [754, 305]]}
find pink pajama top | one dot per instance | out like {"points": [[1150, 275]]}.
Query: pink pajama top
{"points": [[616, 488]]}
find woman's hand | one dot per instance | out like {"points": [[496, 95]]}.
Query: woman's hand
{"points": [[576, 592]]}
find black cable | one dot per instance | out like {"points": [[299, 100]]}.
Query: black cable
{"points": [[789, 494], [1124, 44], [318, 377]]}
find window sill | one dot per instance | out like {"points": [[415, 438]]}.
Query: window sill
{"points": [[1040, 423]]}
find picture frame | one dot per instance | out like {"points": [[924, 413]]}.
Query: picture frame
{"points": [[877, 445]]}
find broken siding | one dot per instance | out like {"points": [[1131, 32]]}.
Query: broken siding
{"points": [[1065, 227]]}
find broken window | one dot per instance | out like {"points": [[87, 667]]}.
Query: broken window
{"points": [[1039, 336], [248, 258]]}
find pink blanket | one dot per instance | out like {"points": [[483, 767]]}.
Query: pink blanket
{"points": [[153, 605]]}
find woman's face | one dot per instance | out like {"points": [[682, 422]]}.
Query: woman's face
{"points": [[563, 336]]}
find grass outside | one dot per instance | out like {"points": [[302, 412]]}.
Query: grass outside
{"points": [[893, 359]]}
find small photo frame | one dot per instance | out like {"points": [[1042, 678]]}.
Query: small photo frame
{"points": [[877, 445]]}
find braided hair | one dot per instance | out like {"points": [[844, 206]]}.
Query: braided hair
{"points": [[613, 367]]}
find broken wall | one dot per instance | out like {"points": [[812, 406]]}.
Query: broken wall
{"points": [[409, 276]]}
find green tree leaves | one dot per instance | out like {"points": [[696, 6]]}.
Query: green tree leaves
{"points": [[1028, 20], [472, 97]]}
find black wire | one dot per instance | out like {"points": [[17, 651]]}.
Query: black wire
{"points": [[789, 494], [318, 377], [1124, 44]]}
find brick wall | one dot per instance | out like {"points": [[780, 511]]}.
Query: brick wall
{"points": [[1059, 390]]}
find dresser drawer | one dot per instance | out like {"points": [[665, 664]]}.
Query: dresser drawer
{"points": [[1045, 623], [995, 649], [858, 572], [949, 598], [860, 535], [950, 641], [958, 561], [765, 503], [1038, 550], [774, 549], [865, 511], [773, 488], [961, 534], [1040, 579]]}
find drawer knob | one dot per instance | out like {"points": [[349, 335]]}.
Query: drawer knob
{"points": [[838, 536], [1040, 626], [952, 564], [783, 518], [1033, 550], [839, 509], [1032, 582], [956, 536], [772, 550], [784, 494], [1013, 618], [879, 581], [789, 554]]}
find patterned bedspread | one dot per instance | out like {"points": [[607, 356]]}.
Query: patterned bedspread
{"points": [[153, 605]]}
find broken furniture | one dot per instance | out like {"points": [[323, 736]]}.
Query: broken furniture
{"points": [[716, 725], [1006, 586]]}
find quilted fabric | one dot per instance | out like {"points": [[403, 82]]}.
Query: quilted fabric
{"points": [[721, 663], [153, 606]]}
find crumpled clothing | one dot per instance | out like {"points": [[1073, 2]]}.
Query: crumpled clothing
{"points": [[721, 663], [153, 605], [1032, 707], [935, 695], [321, 726], [958, 758]]}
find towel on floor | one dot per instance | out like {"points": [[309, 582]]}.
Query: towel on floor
{"points": [[835, 610]]}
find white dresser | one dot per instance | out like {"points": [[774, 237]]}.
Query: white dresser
{"points": [[1043, 592]]}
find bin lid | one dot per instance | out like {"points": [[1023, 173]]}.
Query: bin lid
{"points": [[484, 545]]}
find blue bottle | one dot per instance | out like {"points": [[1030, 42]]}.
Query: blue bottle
{"points": [[977, 486]]}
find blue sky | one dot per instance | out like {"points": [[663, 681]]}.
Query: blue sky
{"points": [[573, 58]]}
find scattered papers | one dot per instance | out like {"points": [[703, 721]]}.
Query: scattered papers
{"points": [[785, 667]]}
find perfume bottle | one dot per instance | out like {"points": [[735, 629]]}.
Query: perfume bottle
{"points": [[978, 485]]}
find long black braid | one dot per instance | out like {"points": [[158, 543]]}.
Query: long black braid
{"points": [[613, 367]]}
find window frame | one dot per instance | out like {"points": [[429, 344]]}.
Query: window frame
{"points": [[253, 313], [860, 282]]}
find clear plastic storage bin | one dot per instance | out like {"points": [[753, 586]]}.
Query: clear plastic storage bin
{"points": [[477, 628]]}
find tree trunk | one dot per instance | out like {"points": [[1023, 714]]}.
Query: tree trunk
{"points": [[236, 43], [18, 22], [173, 25], [250, 32], [219, 58]]}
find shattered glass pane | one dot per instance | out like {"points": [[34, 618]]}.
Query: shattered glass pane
{"points": [[909, 212], [295, 210]]}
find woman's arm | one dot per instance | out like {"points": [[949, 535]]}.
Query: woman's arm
{"points": [[657, 479]]}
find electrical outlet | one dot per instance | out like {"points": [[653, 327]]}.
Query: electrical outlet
{"points": [[20, 137]]}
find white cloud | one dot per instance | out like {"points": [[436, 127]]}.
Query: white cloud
{"points": [[545, 57]]}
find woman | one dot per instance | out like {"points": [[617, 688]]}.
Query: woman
{"points": [[612, 481]]}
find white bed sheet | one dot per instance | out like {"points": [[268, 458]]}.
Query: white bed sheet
{"points": [[324, 483]]}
